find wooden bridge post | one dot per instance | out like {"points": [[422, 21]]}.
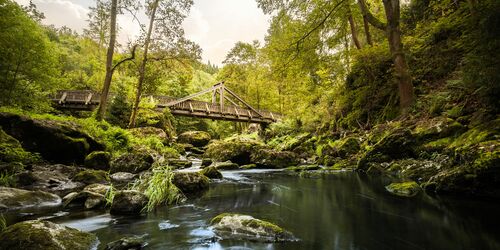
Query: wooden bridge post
{"points": [[222, 97]]}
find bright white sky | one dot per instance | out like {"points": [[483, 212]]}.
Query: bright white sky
{"points": [[216, 25]]}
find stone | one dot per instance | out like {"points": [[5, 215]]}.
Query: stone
{"points": [[127, 243], [269, 158], [205, 162], [211, 172], [304, 168], [39, 234], [55, 179], [132, 162], [405, 189], [128, 202], [226, 165], [237, 151], [179, 163], [245, 227], [190, 183], [13, 198], [248, 166], [90, 176], [97, 188], [98, 160], [122, 177], [12, 152], [195, 138], [144, 132], [196, 151], [86, 198], [56, 141]]}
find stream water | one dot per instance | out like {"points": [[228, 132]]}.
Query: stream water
{"points": [[344, 210]]}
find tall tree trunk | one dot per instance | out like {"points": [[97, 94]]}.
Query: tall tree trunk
{"points": [[405, 86], [142, 68], [367, 31], [109, 63], [393, 32], [354, 32]]}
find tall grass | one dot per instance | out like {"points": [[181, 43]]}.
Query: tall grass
{"points": [[3, 223], [110, 195], [159, 188]]}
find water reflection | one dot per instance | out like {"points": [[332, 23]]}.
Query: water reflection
{"points": [[341, 211]]}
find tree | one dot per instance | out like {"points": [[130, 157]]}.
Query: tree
{"points": [[99, 21], [393, 33], [165, 37]]}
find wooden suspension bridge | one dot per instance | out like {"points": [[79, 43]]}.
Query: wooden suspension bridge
{"points": [[225, 105]]}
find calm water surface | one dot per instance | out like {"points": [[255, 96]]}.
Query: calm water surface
{"points": [[339, 211]]}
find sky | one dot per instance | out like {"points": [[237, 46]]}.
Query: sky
{"points": [[216, 25]]}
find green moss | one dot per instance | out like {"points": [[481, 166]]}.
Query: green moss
{"points": [[406, 189], [267, 226], [303, 168], [248, 166], [90, 176], [219, 217], [11, 151]]}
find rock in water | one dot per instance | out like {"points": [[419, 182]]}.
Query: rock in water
{"points": [[133, 162], [211, 172], [13, 198], [190, 183], [195, 138], [91, 176], [127, 243], [98, 160], [128, 202], [36, 235], [245, 227], [406, 189], [269, 158], [226, 166], [122, 177]]}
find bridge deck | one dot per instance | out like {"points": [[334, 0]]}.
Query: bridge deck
{"points": [[88, 100]]}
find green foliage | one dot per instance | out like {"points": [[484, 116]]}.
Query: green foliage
{"points": [[159, 188], [7, 180], [110, 195], [3, 223]]}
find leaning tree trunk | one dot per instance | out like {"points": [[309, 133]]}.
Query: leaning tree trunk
{"points": [[354, 32], [142, 68], [405, 86], [109, 63], [367, 31]]}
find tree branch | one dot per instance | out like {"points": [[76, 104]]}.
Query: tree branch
{"points": [[132, 57], [370, 17]]}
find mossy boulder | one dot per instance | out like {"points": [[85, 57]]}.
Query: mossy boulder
{"points": [[122, 177], [211, 172], [38, 234], [127, 243], [56, 141], [11, 151], [270, 158], [144, 132], [304, 168], [405, 189], [227, 165], [342, 147], [13, 198], [436, 128], [191, 183], [179, 163], [205, 162], [84, 199], [132, 162], [195, 138], [90, 176], [248, 166], [98, 160], [245, 227], [237, 151], [399, 144], [128, 202]]}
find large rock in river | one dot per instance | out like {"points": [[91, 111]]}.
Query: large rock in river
{"points": [[13, 198], [195, 138], [98, 160], [128, 202], [237, 151], [56, 141], [245, 227], [132, 162], [37, 234], [270, 158], [190, 183]]}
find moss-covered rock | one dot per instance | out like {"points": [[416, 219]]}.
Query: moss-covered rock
{"points": [[90, 176], [269, 158], [144, 132], [98, 160], [132, 162], [245, 227], [248, 166], [179, 163], [436, 128], [127, 243], [237, 151], [37, 234], [84, 199], [406, 189], [128, 202], [304, 168], [195, 138], [211, 172], [122, 177], [205, 162], [190, 183], [12, 152], [13, 198], [58, 142], [398, 144], [228, 165]]}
